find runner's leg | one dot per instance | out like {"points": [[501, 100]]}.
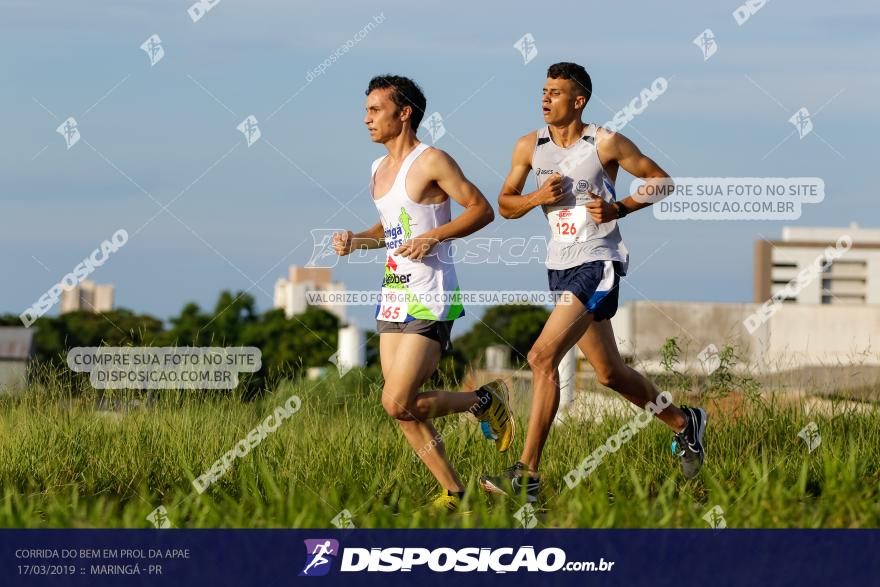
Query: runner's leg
{"points": [[600, 348], [565, 326], [408, 360]]}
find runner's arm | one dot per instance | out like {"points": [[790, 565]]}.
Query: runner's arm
{"points": [[477, 210], [512, 203], [346, 241], [372, 238], [617, 147]]}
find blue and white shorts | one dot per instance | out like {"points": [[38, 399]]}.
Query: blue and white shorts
{"points": [[595, 283]]}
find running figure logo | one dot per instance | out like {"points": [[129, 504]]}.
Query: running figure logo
{"points": [[406, 223], [159, 517], [153, 48], [715, 518], [322, 247], [317, 552], [706, 42], [802, 122], [68, 129], [527, 47], [250, 128], [810, 435], [434, 124]]}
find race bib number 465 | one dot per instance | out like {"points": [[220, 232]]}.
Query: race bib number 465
{"points": [[568, 224], [394, 306]]}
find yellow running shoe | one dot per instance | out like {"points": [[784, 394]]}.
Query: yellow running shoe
{"points": [[446, 502], [497, 420]]}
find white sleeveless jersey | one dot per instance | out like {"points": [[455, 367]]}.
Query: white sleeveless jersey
{"points": [[415, 290], [576, 238]]}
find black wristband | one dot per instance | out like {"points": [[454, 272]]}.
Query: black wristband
{"points": [[622, 210]]}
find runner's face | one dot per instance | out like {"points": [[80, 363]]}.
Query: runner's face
{"points": [[383, 116], [559, 100]]}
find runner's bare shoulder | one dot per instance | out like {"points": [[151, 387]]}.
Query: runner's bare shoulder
{"points": [[435, 162], [522, 151]]}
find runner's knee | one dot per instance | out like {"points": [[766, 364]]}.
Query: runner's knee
{"points": [[612, 376], [541, 359], [396, 408]]}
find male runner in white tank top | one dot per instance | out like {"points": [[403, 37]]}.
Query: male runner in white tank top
{"points": [[575, 165], [411, 187]]}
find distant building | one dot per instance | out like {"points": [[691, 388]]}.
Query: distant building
{"points": [[290, 293], [87, 297], [854, 278], [16, 349]]}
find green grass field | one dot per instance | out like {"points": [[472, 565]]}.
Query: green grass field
{"points": [[65, 464]]}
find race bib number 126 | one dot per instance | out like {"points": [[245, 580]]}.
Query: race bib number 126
{"points": [[568, 224]]}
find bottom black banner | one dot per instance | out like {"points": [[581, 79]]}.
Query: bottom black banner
{"points": [[480, 557]]}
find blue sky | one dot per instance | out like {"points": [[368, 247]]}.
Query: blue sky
{"points": [[245, 212]]}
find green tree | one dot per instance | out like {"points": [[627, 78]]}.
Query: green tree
{"points": [[290, 346], [189, 328], [517, 326]]}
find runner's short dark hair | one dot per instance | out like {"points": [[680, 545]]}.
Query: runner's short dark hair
{"points": [[574, 72], [405, 92]]}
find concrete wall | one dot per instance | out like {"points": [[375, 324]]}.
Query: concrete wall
{"points": [[13, 376], [797, 335], [824, 335]]}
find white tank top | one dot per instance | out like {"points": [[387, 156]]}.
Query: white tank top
{"points": [[576, 239], [414, 290]]}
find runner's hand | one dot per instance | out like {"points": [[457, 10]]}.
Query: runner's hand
{"points": [[600, 210], [342, 242], [416, 248], [550, 191]]}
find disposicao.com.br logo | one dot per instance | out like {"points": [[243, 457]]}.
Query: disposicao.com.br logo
{"points": [[318, 551], [441, 560]]}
